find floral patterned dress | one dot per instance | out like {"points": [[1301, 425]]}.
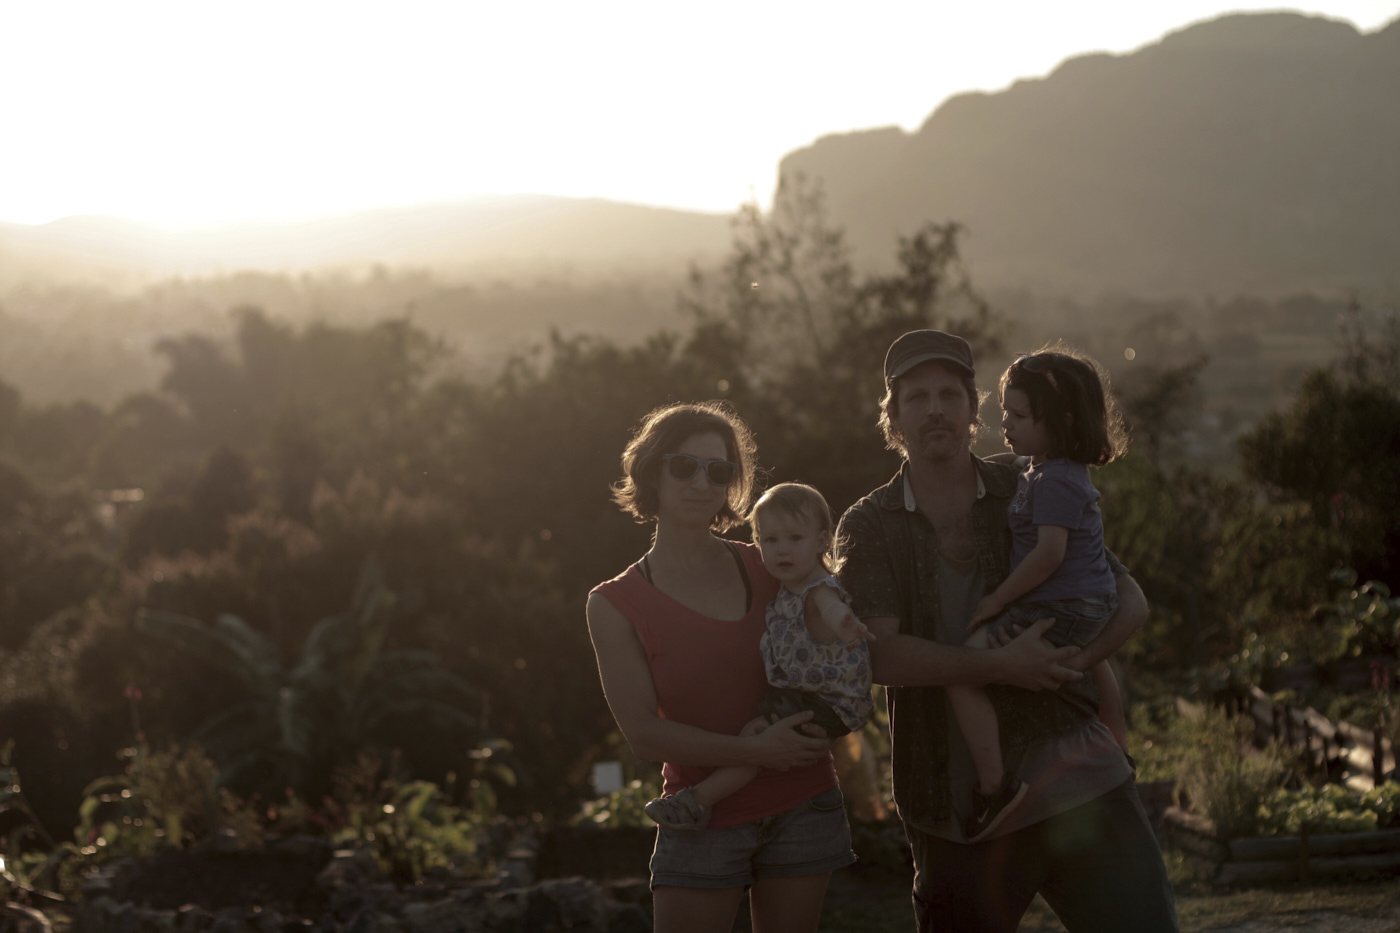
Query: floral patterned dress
{"points": [[794, 660]]}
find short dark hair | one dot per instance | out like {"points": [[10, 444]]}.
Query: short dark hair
{"points": [[662, 432], [799, 500], [889, 406], [1070, 393]]}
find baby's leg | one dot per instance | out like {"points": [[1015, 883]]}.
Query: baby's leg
{"points": [[724, 781], [690, 807], [1111, 711], [977, 719]]}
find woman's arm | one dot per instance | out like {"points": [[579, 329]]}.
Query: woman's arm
{"points": [[631, 695]]}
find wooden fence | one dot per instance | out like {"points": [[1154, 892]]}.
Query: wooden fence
{"points": [[1359, 758]]}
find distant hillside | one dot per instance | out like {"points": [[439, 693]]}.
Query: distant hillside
{"points": [[1253, 153], [473, 235]]}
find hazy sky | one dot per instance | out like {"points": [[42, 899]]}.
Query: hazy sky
{"points": [[198, 111]]}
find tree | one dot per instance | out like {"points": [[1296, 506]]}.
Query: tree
{"points": [[1157, 403], [808, 332], [1336, 449]]}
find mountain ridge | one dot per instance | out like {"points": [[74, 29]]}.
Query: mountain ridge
{"points": [[1192, 164], [507, 229], [1251, 153]]}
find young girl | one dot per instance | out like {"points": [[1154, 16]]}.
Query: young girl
{"points": [[1054, 411], [813, 646]]}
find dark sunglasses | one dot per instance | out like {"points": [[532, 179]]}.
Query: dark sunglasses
{"points": [[718, 472], [1034, 364]]}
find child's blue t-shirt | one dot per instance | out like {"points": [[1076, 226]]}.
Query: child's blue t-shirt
{"points": [[1059, 492]]}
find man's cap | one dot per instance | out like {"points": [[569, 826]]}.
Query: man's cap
{"points": [[921, 346]]}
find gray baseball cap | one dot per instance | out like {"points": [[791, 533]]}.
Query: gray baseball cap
{"points": [[921, 346]]}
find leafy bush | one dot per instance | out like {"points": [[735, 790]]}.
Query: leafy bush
{"points": [[412, 826], [1330, 808], [1361, 620], [163, 798], [622, 807], [1224, 776], [169, 797]]}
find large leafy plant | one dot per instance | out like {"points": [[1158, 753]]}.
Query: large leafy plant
{"points": [[295, 723]]}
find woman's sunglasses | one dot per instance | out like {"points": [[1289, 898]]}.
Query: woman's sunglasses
{"points": [[718, 472], [1034, 364]]}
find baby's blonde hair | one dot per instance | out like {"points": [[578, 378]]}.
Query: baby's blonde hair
{"points": [[798, 500]]}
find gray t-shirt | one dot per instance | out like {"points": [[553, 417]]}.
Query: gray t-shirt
{"points": [[1059, 492], [1063, 773]]}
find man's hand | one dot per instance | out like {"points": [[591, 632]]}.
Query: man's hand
{"points": [[1032, 663], [988, 608]]}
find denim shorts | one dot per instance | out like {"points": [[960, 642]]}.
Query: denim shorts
{"points": [[1077, 621], [808, 839]]}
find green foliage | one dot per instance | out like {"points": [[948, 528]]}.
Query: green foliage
{"points": [[162, 798], [1362, 620], [26, 867], [622, 807], [1330, 808], [1156, 406], [195, 518], [414, 832], [1225, 778], [412, 826], [291, 727], [1336, 445], [169, 797], [1166, 527]]}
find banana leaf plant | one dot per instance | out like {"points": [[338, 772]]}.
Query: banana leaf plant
{"points": [[295, 723]]}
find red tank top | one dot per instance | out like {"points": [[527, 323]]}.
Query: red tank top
{"points": [[708, 673]]}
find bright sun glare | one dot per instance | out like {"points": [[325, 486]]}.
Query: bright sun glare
{"points": [[199, 113]]}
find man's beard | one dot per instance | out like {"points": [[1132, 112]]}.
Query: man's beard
{"points": [[942, 441]]}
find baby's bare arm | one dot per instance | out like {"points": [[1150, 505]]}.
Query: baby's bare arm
{"points": [[829, 619]]}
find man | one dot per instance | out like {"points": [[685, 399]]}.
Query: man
{"points": [[920, 552]]}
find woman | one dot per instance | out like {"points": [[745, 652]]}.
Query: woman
{"points": [[676, 638]]}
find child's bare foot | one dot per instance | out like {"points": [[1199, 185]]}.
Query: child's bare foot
{"points": [[679, 811]]}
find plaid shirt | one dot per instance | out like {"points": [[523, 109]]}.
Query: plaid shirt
{"points": [[889, 571]]}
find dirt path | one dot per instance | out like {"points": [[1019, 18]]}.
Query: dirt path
{"points": [[871, 904], [1322, 921]]}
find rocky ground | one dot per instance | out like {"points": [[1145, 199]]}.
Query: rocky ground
{"points": [[866, 899]]}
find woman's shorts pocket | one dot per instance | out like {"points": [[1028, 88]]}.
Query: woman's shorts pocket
{"points": [[828, 800]]}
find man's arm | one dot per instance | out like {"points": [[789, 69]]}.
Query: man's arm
{"points": [[1131, 615], [1028, 661]]}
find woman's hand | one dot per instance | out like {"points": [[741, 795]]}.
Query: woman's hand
{"points": [[754, 726], [782, 745]]}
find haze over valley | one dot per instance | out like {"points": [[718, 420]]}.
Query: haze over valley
{"points": [[1222, 193]]}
